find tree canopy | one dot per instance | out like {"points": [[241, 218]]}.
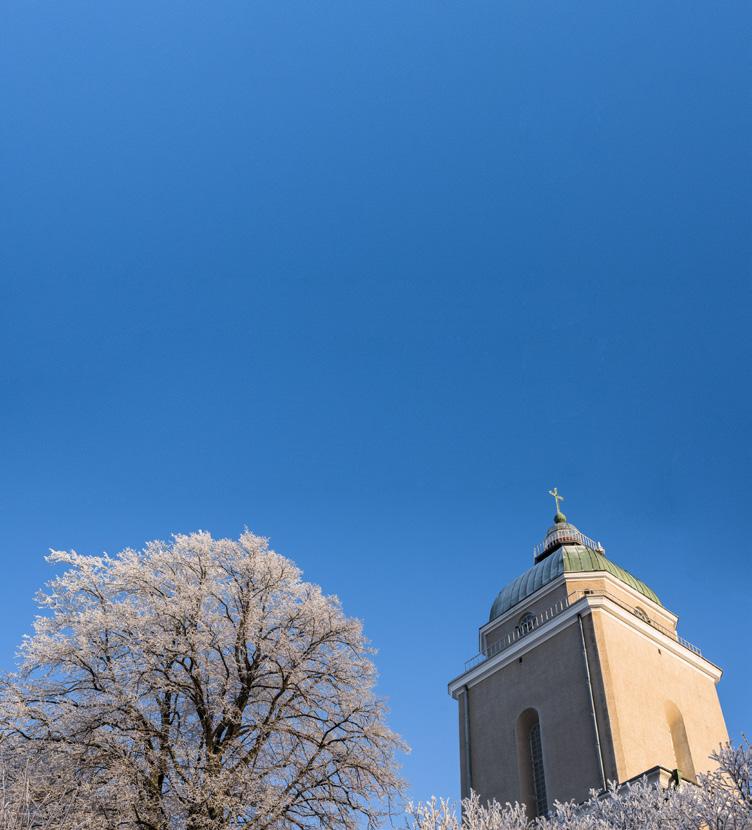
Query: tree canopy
{"points": [[199, 684]]}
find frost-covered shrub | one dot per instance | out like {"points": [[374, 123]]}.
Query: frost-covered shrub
{"points": [[722, 800]]}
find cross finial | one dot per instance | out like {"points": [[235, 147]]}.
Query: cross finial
{"points": [[557, 498]]}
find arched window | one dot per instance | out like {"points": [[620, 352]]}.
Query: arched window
{"points": [[539, 778], [641, 614], [679, 741], [530, 764], [525, 624]]}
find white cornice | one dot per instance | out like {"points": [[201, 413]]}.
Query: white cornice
{"points": [[509, 655], [647, 631], [572, 576], [638, 595], [515, 609], [562, 620]]}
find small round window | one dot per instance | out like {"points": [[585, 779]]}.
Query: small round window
{"points": [[641, 614]]}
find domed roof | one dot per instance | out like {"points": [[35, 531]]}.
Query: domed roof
{"points": [[565, 558]]}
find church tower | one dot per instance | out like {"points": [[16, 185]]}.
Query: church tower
{"points": [[581, 679]]}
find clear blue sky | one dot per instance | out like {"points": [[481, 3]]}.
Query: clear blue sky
{"points": [[370, 277]]}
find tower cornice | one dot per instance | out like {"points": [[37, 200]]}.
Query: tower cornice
{"points": [[572, 576], [582, 607]]}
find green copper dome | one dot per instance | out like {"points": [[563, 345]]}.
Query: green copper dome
{"points": [[576, 558]]}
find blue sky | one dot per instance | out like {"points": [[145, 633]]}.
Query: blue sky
{"points": [[370, 278]]}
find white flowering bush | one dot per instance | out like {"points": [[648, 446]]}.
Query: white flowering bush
{"points": [[721, 800]]}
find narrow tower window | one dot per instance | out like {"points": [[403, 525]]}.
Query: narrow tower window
{"points": [[530, 764], [539, 779]]}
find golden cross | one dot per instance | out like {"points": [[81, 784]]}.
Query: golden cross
{"points": [[557, 497]]}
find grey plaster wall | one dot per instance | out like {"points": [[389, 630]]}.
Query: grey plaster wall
{"points": [[551, 679]]}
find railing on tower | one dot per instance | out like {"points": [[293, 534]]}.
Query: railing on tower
{"points": [[567, 534], [534, 621]]}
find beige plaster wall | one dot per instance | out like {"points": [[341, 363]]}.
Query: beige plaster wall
{"points": [[641, 680], [551, 679], [577, 583], [640, 686]]}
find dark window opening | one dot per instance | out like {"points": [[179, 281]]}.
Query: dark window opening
{"points": [[526, 624], [539, 778], [530, 764], [641, 614]]}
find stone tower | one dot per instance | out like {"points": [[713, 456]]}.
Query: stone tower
{"points": [[581, 679]]}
